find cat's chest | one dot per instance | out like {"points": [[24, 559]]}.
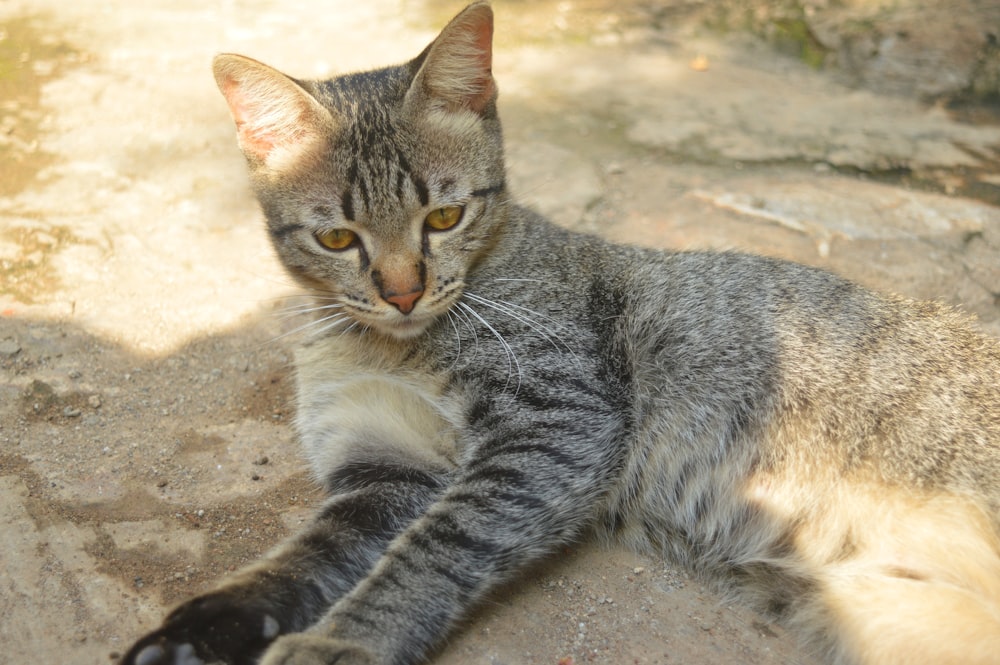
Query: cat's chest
{"points": [[358, 402]]}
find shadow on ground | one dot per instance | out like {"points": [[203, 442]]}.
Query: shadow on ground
{"points": [[145, 445]]}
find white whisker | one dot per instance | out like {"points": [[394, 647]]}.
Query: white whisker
{"points": [[525, 316], [332, 321], [469, 325], [511, 356], [329, 326], [289, 312], [309, 297], [458, 339]]}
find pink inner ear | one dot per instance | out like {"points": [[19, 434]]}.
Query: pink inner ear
{"points": [[484, 46], [254, 138], [484, 43]]}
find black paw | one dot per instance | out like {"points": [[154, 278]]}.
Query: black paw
{"points": [[209, 629]]}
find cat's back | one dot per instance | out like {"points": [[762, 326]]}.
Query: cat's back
{"points": [[779, 361], [726, 322]]}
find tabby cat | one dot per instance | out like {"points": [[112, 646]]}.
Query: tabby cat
{"points": [[483, 387]]}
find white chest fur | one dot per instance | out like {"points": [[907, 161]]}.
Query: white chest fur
{"points": [[358, 401]]}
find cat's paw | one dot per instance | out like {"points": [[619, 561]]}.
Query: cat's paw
{"points": [[307, 649], [163, 652], [207, 630]]}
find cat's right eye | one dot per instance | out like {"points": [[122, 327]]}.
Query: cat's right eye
{"points": [[337, 239]]}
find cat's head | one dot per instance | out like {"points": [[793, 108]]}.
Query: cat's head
{"points": [[382, 188]]}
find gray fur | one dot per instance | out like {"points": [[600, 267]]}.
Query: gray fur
{"points": [[829, 454]]}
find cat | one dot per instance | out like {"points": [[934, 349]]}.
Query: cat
{"points": [[483, 387]]}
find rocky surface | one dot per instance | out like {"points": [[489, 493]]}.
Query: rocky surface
{"points": [[925, 48], [145, 446]]}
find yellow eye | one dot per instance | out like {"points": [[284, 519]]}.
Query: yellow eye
{"points": [[443, 219], [337, 239]]}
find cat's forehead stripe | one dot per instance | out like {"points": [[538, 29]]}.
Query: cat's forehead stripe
{"points": [[421, 188], [279, 232], [380, 174], [347, 204], [492, 189]]}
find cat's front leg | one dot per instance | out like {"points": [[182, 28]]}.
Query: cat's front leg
{"points": [[310, 649], [531, 486], [298, 582]]}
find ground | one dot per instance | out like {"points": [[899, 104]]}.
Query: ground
{"points": [[145, 439]]}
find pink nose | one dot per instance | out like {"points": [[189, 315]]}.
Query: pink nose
{"points": [[405, 302]]}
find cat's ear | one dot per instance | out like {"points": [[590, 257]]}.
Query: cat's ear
{"points": [[456, 69], [277, 121]]}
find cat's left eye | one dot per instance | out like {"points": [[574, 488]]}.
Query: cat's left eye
{"points": [[443, 219]]}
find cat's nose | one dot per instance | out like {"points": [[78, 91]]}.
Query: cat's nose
{"points": [[404, 302], [400, 280]]}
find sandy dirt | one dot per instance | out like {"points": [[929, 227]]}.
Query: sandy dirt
{"points": [[145, 402]]}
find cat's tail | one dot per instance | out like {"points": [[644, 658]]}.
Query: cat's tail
{"points": [[886, 620], [920, 584]]}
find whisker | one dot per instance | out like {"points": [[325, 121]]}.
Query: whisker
{"points": [[458, 339], [509, 308], [289, 312], [295, 299], [330, 326], [511, 356], [495, 305], [335, 320], [469, 325]]}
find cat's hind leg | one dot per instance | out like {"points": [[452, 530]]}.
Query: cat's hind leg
{"points": [[302, 578]]}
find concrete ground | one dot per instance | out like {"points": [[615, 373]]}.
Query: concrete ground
{"points": [[145, 446]]}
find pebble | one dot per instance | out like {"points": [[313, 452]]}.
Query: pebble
{"points": [[71, 412], [9, 348], [94, 401]]}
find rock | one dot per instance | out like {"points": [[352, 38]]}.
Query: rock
{"points": [[921, 48], [752, 115], [927, 48], [9, 348]]}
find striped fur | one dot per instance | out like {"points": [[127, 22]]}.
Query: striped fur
{"points": [[828, 454]]}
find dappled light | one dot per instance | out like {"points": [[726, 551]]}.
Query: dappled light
{"points": [[147, 329]]}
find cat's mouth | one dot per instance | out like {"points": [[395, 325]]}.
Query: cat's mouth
{"points": [[399, 326], [408, 327]]}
